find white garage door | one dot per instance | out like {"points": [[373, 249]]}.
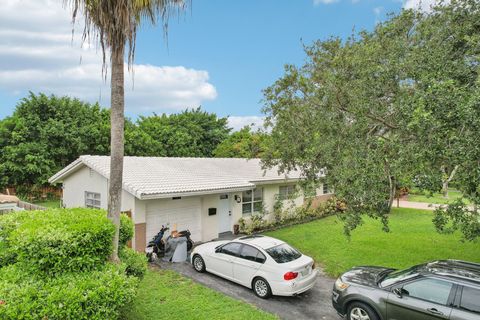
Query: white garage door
{"points": [[185, 213]]}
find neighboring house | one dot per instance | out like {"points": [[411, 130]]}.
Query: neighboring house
{"points": [[205, 195], [8, 203]]}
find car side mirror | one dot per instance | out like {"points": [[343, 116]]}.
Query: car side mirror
{"points": [[398, 292]]}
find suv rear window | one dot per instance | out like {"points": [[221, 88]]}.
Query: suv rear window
{"points": [[470, 300], [283, 253]]}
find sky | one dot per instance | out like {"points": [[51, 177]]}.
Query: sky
{"points": [[219, 54]]}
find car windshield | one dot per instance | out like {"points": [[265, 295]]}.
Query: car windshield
{"points": [[398, 275], [283, 253]]}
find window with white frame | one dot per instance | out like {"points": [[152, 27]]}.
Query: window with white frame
{"points": [[252, 201], [325, 188], [286, 192], [92, 200]]}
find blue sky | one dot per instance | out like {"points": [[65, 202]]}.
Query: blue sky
{"points": [[221, 53]]}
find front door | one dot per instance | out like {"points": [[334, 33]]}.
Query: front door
{"points": [[224, 214]]}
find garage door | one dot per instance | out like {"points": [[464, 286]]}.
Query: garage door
{"points": [[185, 213]]}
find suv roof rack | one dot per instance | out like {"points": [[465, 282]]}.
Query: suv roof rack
{"points": [[253, 236], [455, 268]]}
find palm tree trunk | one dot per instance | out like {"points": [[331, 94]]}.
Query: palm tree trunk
{"points": [[117, 119]]}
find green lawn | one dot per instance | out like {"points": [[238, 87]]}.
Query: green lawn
{"points": [[48, 203], [164, 294], [417, 196], [412, 240]]}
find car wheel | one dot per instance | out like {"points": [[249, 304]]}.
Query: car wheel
{"points": [[198, 263], [261, 288], [361, 311]]}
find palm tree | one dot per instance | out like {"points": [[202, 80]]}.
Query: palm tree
{"points": [[114, 24]]}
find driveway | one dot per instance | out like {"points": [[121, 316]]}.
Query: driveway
{"points": [[313, 304]]}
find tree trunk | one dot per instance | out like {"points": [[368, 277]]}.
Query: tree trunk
{"points": [[117, 119], [448, 178]]}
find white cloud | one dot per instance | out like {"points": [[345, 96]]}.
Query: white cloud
{"points": [[319, 2], [424, 5], [37, 53], [238, 122]]}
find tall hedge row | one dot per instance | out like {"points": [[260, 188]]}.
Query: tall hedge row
{"points": [[54, 265]]}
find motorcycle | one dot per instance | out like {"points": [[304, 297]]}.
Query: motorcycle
{"points": [[156, 247]]}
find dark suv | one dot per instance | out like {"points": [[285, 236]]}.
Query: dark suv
{"points": [[447, 289]]}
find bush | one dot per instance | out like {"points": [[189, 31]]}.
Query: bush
{"points": [[9, 223], [126, 230], [88, 295], [135, 263], [61, 240]]}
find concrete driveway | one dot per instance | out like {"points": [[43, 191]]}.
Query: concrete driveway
{"points": [[313, 304]]}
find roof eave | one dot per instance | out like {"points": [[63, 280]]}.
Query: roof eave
{"points": [[143, 196]]}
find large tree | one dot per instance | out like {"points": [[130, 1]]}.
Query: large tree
{"points": [[191, 133], [244, 143], [383, 108], [115, 25]]}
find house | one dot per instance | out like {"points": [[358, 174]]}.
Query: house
{"points": [[205, 195]]}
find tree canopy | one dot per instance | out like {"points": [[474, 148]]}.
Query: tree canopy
{"points": [[385, 108], [242, 144], [46, 133]]}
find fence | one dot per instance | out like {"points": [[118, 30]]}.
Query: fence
{"points": [[34, 192], [29, 206]]}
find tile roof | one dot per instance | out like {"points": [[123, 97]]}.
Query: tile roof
{"points": [[159, 177]]}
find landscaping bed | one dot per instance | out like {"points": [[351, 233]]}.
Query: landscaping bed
{"points": [[412, 240]]}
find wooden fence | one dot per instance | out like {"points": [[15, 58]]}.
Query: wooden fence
{"points": [[35, 193]]}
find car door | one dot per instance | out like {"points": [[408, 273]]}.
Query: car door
{"points": [[467, 304], [420, 299], [221, 261], [247, 264]]}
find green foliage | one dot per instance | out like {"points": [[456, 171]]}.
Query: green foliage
{"points": [[191, 133], [126, 230], [98, 294], [457, 216], [59, 240], [287, 216], [135, 262], [398, 104], [242, 144]]}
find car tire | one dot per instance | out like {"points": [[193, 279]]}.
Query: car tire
{"points": [[198, 263], [361, 311], [261, 288]]}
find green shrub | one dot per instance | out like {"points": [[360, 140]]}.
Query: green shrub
{"points": [[9, 223], [88, 295], [126, 230], [135, 262], [63, 240]]}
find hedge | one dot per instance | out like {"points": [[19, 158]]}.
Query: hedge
{"points": [[135, 262], [91, 295]]}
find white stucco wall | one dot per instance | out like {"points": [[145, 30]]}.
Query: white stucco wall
{"points": [[85, 179]]}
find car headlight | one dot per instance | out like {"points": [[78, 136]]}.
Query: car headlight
{"points": [[340, 285]]}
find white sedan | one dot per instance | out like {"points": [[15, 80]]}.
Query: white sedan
{"points": [[264, 264]]}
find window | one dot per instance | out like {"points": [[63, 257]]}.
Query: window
{"points": [[232, 249], [470, 300], [325, 188], [92, 200], [286, 192], [252, 254], [433, 290], [283, 253], [252, 201]]}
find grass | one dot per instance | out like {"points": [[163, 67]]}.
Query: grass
{"points": [[412, 239], [417, 196], [48, 203], [164, 294]]}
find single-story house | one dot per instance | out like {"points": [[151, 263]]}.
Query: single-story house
{"points": [[208, 196]]}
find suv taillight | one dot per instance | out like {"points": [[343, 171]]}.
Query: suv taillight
{"points": [[290, 275]]}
